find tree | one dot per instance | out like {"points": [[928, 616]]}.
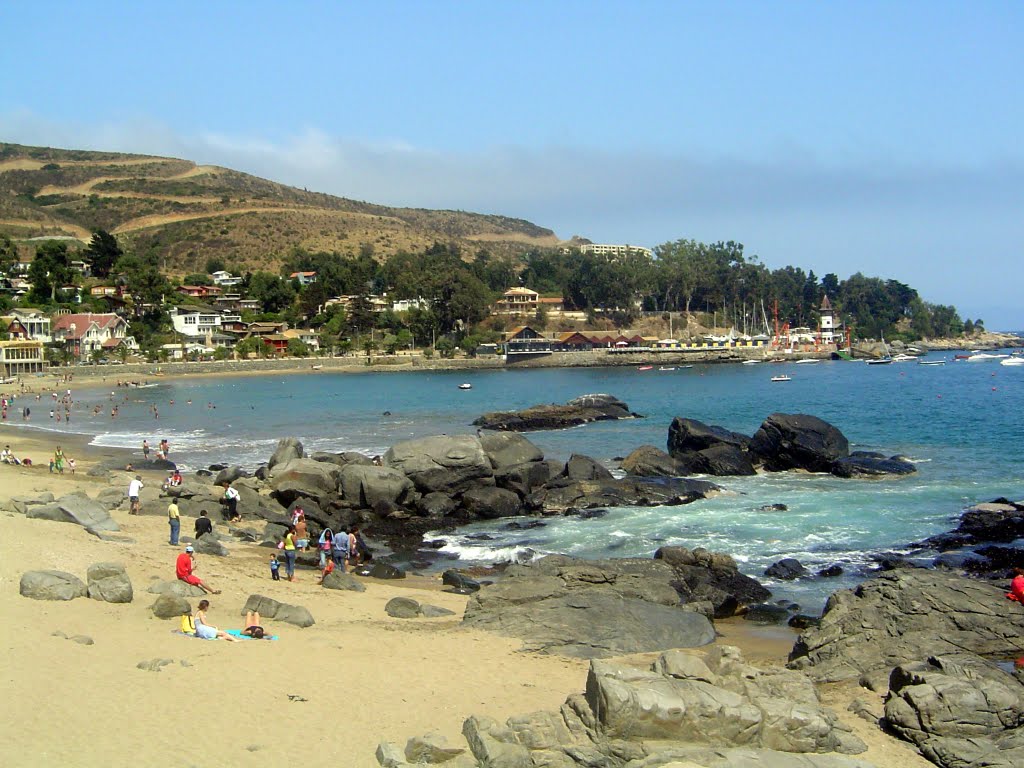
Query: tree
{"points": [[102, 253], [8, 255], [51, 269], [214, 264], [253, 345], [271, 291], [298, 348]]}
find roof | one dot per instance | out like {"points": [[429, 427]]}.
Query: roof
{"points": [[302, 274], [825, 303], [82, 322]]}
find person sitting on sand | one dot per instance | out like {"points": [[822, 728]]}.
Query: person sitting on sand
{"points": [[328, 569], [7, 456], [253, 628], [206, 631], [203, 525], [183, 569], [1016, 592]]}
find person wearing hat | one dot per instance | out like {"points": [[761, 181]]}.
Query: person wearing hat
{"points": [[134, 487], [183, 568]]}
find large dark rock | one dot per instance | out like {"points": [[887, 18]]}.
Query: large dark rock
{"points": [[959, 710], [560, 497], [719, 460], [490, 503], [580, 467], [859, 464], [999, 521], [272, 609], [365, 486], [689, 436], [402, 608], [208, 545], [459, 582], [436, 505], [442, 463], [703, 576], [75, 508], [523, 479], [581, 410], [786, 569], [798, 441], [381, 570], [900, 615], [51, 585]]}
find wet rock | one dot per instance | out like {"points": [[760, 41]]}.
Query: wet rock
{"points": [[489, 503], [786, 569], [859, 465], [763, 613], [798, 441], [831, 572], [460, 583], [381, 570], [581, 410], [648, 461]]}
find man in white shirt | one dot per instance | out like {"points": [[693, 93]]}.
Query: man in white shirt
{"points": [[133, 494]]}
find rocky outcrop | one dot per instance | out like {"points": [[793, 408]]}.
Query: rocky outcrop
{"points": [[442, 463], [959, 710], [288, 448], [365, 486], [595, 609], [272, 609], [489, 503], [581, 410], [899, 615], [872, 464], [75, 508], [560, 497], [51, 585], [687, 436], [109, 582], [712, 710], [797, 441], [648, 461], [997, 521], [304, 478], [700, 576]]}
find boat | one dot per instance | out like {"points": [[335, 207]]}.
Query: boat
{"points": [[751, 362], [902, 358], [465, 385], [317, 367], [645, 367], [807, 360], [984, 357], [783, 377], [886, 359], [1014, 360], [667, 368], [931, 362]]}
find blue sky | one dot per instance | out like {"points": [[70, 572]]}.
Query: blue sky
{"points": [[839, 136]]}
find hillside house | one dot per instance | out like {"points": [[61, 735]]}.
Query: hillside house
{"points": [[225, 279], [84, 333], [24, 323], [20, 356], [304, 278]]}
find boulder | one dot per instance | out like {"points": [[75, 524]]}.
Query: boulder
{"points": [[786, 569], [288, 448], [703, 576], [365, 486], [428, 611], [460, 583], [342, 459], [170, 606], [560, 497], [51, 585], [75, 508], [228, 475], [689, 436], [648, 461], [442, 463], [581, 410], [436, 505], [959, 710], [859, 464], [998, 521], [178, 588], [402, 608], [430, 748], [798, 441], [340, 580], [303, 478], [506, 449], [523, 479], [888, 620], [111, 498], [109, 582], [381, 570], [585, 468], [765, 613], [719, 460], [488, 502], [272, 609], [208, 545]]}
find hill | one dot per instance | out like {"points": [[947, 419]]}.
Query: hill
{"points": [[185, 213]]}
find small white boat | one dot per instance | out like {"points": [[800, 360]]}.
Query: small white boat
{"points": [[931, 362], [807, 360], [879, 361], [465, 385], [316, 367], [751, 362], [667, 368], [984, 357], [1012, 361], [902, 358], [783, 377]]}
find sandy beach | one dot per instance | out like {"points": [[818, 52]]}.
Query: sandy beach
{"points": [[339, 687]]}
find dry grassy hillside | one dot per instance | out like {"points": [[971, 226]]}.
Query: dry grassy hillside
{"points": [[184, 211]]}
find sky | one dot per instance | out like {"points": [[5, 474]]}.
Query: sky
{"points": [[874, 137]]}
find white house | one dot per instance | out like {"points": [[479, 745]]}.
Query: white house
{"points": [[84, 333], [36, 325], [404, 305], [222, 278], [304, 278], [196, 323]]}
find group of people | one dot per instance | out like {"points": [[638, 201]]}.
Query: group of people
{"points": [[163, 450], [201, 628], [59, 460]]}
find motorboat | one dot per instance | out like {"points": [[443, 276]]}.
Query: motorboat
{"points": [[751, 362], [667, 368], [465, 385], [903, 358], [783, 377], [984, 357], [645, 368], [931, 362], [807, 360], [879, 361], [1013, 360]]}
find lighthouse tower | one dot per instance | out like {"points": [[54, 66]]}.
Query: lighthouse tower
{"points": [[827, 322]]}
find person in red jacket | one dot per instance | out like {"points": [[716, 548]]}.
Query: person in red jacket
{"points": [[1017, 586], [183, 569]]}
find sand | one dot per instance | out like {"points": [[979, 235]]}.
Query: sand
{"points": [[331, 691]]}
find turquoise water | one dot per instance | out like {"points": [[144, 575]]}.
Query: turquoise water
{"points": [[962, 423]]}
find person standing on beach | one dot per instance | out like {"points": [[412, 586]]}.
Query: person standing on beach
{"points": [[289, 553], [58, 460], [174, 521], [165, 448], [231, 497], [134, 487], [145, 449]]}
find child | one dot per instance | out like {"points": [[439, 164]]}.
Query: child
{"points": [[327, 571], [274, 565], [71, 465]]}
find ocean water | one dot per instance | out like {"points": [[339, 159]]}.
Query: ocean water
{"points": [[963, 423]]}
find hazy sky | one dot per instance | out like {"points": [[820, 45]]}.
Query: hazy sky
{"points": [[877, 137]]}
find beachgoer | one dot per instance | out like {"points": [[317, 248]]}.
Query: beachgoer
{"points": [[339, 550], [327, 570], [58, 460], [275, 568], [165, 448], [354, 555], [208, 631], [183, 568], [231, 497], [302, 533], [134, 487], [326, 536], [8, 457], [1017, 586], [203, 524], [145, 450], [71, 465], [174, 520], [289, 553], [253, 628]]}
